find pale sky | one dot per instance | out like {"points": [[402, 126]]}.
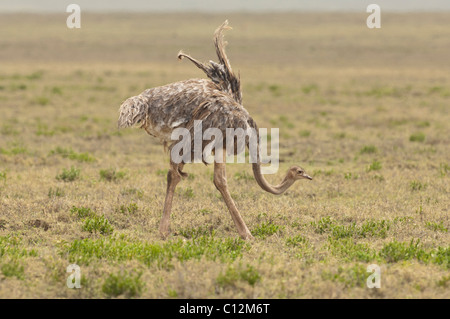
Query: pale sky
{"points": [[222, 5]]}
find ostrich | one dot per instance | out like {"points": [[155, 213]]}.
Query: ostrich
{"points": [[217, 102]]}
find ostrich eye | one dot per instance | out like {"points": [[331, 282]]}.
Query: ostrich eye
{"points": [[300, 172]]}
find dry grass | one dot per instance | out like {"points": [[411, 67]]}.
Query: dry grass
{"points": [[365, 112]]}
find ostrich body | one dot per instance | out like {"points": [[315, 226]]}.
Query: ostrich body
{"points": [[217, 102]]}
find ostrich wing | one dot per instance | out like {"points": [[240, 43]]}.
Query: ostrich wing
{"points": [[220, 73]]}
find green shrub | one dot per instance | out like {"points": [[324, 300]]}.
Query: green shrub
{"points": [[57, 90], [98, 224], [296, 241], [57, 192], [197, 232], [374, 166], [275, 89], [322, 225], [172, 293], [131, 208], [42, 100], [232, 275], [123, 283], [444, 168], [229, 278], [82, 212], [35, 75], [304, 133], [306, 89], [340, 135], [120, 248], [265, 229], [70, 154], [417, 137], [139, 193], [417, 186], [8, 129], [244, 176], [15, 149], [347, 249], [368, 149], [69, 175], [350, 176], [43, 130], [250, 275], [370, 228], [162, 172], [3, 176], [443, 281], [13, 269], [11, 246], [436, 227], [396, 251], [354, 276], [111, 175], [188, 192]]}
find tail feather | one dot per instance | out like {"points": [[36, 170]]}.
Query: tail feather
{"points": [[230, 78], [220, 73], [133, 112]]}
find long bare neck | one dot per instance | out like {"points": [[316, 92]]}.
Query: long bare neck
{"points": [[265, 185]]}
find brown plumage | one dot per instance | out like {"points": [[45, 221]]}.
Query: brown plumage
{"points": [[217, 102]]}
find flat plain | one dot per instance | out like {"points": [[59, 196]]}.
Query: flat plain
{"points": [[366, 112]]}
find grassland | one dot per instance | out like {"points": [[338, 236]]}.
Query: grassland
{"points": [[365, 112]]}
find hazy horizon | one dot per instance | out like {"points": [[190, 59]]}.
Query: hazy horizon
{"points": [[205, 6]]}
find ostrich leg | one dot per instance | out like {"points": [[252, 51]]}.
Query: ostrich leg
{"points": [[173, 178], [220, 181]]}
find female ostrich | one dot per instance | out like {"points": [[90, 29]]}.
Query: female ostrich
{"points": [[218, 104]]}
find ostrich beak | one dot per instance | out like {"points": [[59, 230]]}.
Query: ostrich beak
{"points": [[308, 177]]}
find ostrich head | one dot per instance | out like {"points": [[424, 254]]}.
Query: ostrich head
{"points": [[296, 172]]}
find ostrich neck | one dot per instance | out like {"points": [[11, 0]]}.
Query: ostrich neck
{"points": [[265, 185]]}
